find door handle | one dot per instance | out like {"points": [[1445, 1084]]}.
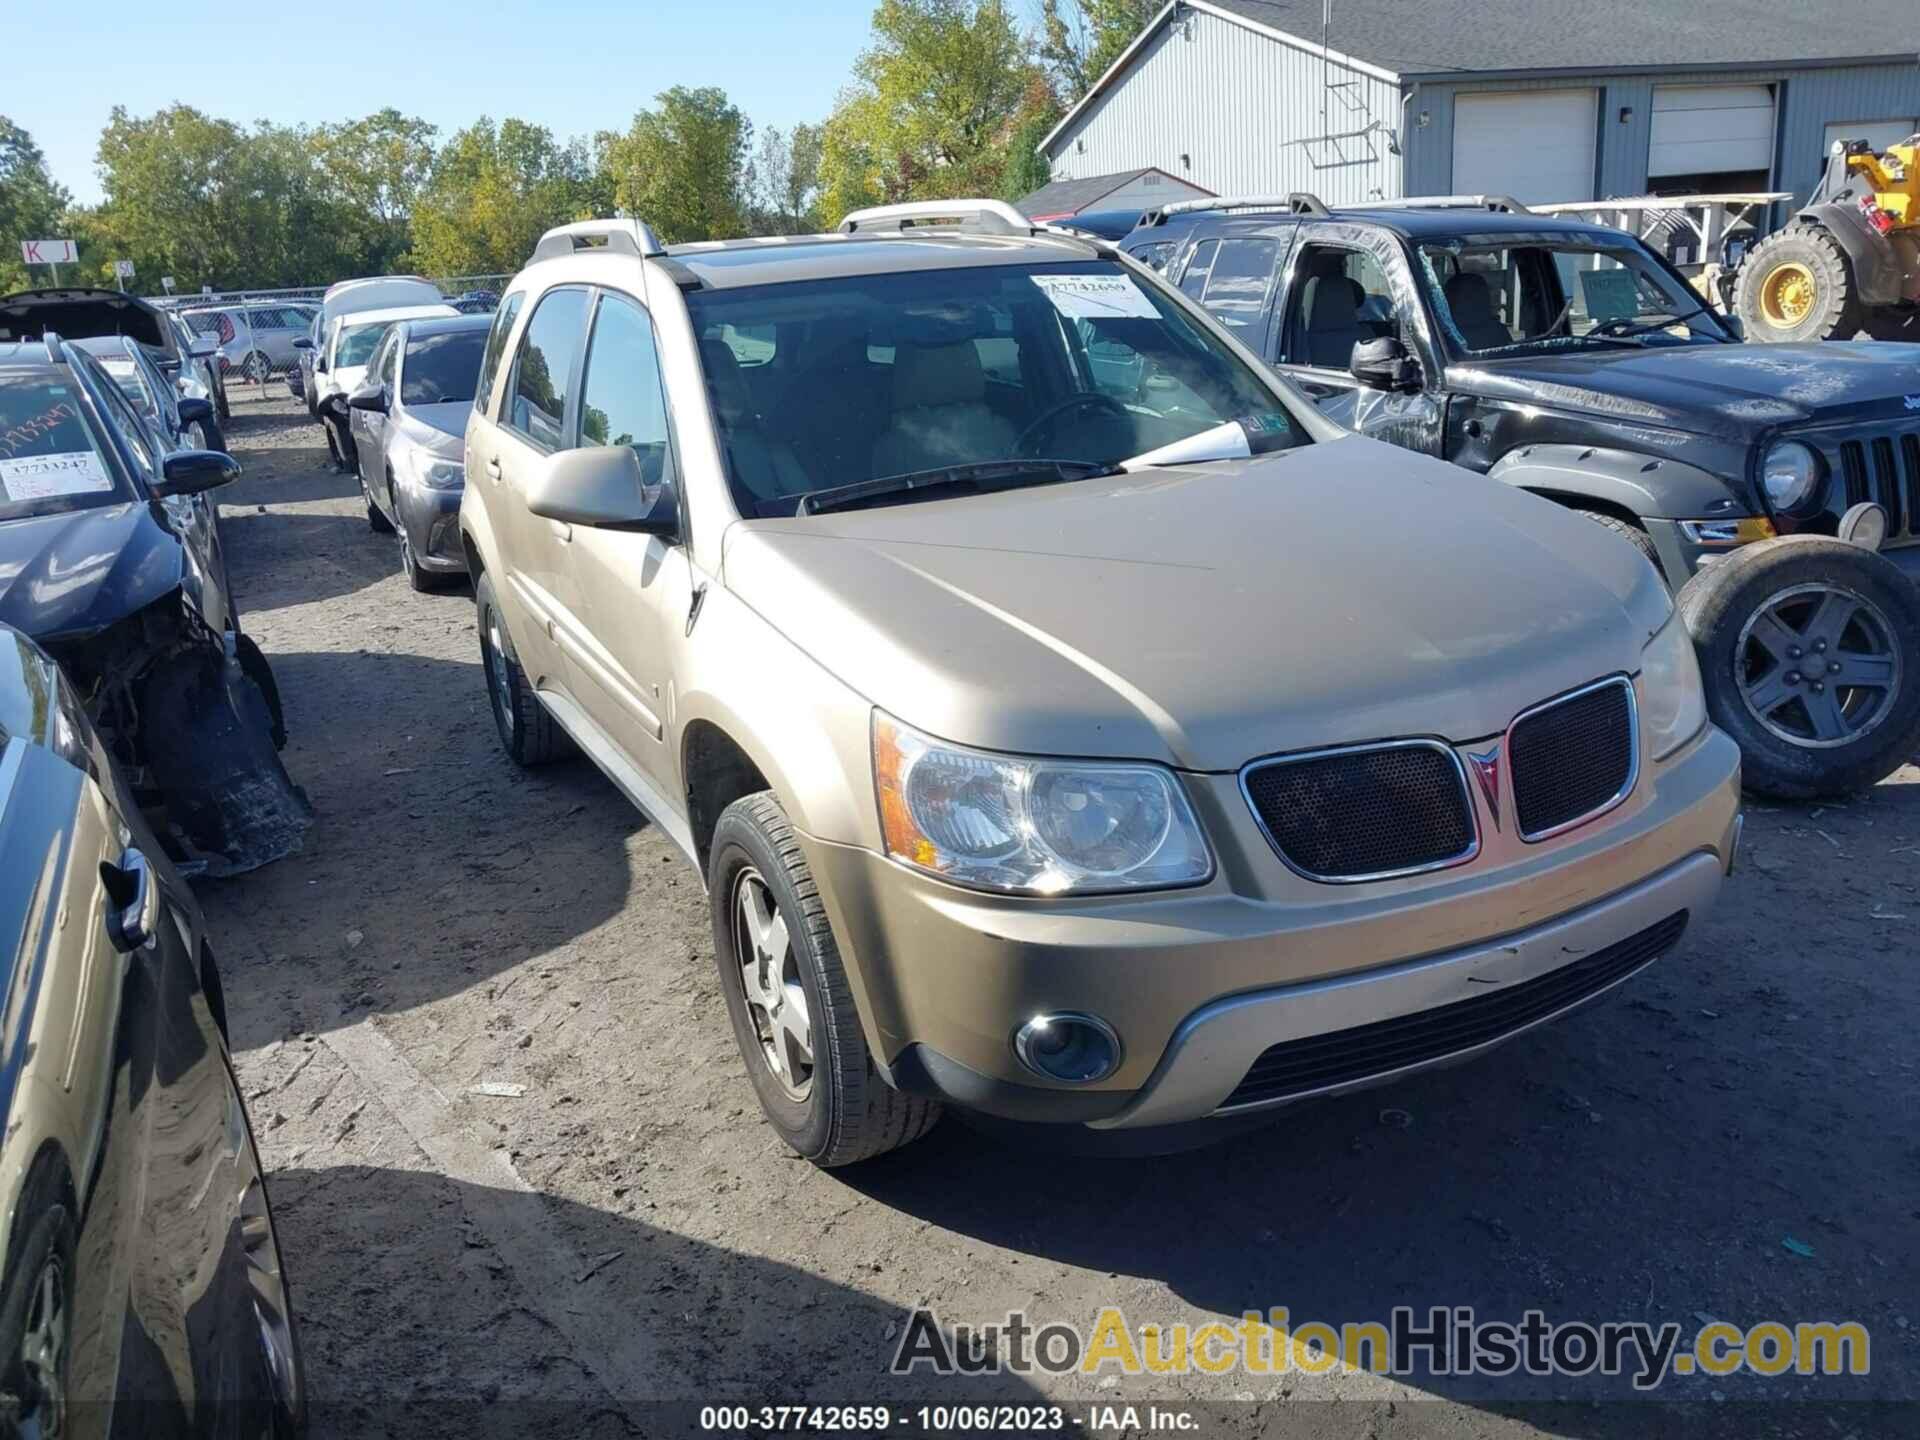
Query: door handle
{"points": [[493, 468], [133, 920]]}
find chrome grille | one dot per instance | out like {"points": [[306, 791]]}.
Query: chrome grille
{"points": [[1365, 812], [1573, 758]]}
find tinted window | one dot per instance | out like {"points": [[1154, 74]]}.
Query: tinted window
{"points": [[442, 367], [622, 403], [358, 342], [496, 347], [543, 370], [1236, 290], [1193, 280]]}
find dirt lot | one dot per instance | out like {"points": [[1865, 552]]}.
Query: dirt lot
{"points": [[1731, 1135]]}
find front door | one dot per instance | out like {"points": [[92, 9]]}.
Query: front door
{"points": [[536, 419], [636, 590], [370, 426], [1341, 292]]}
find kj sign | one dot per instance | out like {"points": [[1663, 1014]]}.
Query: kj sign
{"points": [[49, 252]]}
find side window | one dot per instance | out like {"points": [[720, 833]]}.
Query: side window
{"points": [[144, 444], [621, 401], [543, 368], [1193, 280], [1237, 284], [1339, 297], [389, 368], [503, 319]]}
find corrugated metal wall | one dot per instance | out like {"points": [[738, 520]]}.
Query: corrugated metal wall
{"points": [[1805, 102], [1229, 99]]}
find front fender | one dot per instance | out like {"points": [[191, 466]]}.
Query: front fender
{"points": [[1877, 271], [1647, 486]]}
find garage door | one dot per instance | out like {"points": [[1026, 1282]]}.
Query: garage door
{"points": [[1711, 129], [1535, 145]]}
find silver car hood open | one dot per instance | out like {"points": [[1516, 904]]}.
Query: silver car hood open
{"points": [[1209, 614]]}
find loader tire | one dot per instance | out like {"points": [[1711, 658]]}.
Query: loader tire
{"points": [[1797, 285]]}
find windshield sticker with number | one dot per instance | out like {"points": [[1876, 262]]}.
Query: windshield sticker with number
{"points": [[1096, 297], [45, 477]]}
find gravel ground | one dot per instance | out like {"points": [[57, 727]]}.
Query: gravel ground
{"points": [[1731, 1135]]}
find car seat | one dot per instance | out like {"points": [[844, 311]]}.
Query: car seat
{"points": [[940, 414], [1471, 304]]}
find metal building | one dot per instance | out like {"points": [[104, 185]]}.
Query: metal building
{"points": [[1542, 100]]}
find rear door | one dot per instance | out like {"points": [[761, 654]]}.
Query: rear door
{"points": [[536, 416]]}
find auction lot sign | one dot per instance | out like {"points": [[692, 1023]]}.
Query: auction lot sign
{"points": [[49, 252]]}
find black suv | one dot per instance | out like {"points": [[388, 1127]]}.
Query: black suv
{"points": [[1571, 360]]}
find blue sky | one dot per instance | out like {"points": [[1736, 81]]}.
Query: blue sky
{"points": [[575, 66]]}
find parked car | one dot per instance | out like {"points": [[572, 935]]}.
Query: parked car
{"points": [[182, 423], [409, 430], [256, 339], [1113, 758], [1570, 360], [109, 558], [184, 358], [143, 1290], [372, 293], [475, 302]]}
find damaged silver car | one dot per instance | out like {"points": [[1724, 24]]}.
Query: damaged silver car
{"points": [[108, 561]]}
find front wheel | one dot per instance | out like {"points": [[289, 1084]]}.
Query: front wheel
{"points": [[788, 998], [36, 1311], [1809, 650], [528, 732], [1797, 285]]}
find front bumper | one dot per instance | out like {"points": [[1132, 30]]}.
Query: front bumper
{"points": [[432, 518], [1198, 984]]}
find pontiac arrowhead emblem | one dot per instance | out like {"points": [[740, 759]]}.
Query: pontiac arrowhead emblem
{"points": [[1486, 769]]}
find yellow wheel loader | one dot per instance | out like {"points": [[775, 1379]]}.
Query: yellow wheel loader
{"points": [[1849, 259]]}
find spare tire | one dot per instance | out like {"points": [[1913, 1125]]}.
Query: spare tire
{"points": [[1810, 652]]}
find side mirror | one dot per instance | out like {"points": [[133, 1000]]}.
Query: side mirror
{"points": [[302, 342], [188, 472], [602, 485], [203, 347], [1384, 364], [193, 409], [370, 397]]}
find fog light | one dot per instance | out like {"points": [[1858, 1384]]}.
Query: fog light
{"points": [[1077, 1049]]}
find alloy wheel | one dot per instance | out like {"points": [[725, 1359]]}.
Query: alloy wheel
{"points": [[1818, 665], [41, 1360], [494, 652], [770, 980]]}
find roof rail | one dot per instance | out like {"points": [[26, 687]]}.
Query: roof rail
{"points": [[622, 236], [56, 355], [995, 217], [1294, 202], [1498, 204]]}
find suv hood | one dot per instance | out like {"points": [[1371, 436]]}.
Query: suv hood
{"points": [[1728, 391], [1206, 615], [82, 570]]}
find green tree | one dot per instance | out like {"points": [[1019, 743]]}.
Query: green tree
{"points": [[782, 181], [377, 167], [1079, 39], [31, 203], [936, 97], [492, 191], [682, 167]]}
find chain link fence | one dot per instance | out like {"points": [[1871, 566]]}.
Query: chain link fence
{"points": [[255, 330]]}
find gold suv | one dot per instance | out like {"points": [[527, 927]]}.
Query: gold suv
{"points": [[1068, 722]]}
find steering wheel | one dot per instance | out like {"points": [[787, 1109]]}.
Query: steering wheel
{"points": [[1084, 400]]}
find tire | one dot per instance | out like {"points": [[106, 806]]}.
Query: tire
{"points": [[528, 733], [423, 581], [28, 1404], [223, 412], [211, 436], [1773, 283], [1730, 607], [376, 520], [256, 369], [844, 1113], [1629, 532], [253, 665]]}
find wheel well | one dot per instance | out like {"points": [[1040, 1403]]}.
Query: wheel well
{"points": [[49, 1164], [214, 991], [718, 773], [1589, 502], [474, 567]]}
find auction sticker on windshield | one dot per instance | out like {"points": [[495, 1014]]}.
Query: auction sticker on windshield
{"points": [[1096, 297], [44, 477]]}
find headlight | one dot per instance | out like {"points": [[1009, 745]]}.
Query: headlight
{"points": [[1790, 474], [434, 473], [1043, 827], [1672, 706]]}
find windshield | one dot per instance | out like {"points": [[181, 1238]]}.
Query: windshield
{"points": [[821, 384], [1524, 294], [356, 343], [442, 367], [50, 457]]}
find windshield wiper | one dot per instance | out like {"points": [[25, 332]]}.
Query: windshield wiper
{"points": [[1631, 332], [975, 478]]}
